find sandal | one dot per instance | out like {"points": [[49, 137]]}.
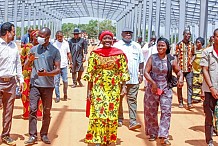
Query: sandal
{"points": [[164, 141]]}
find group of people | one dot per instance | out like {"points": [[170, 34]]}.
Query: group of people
{"points": [[110, 78], [37, 69], [114, 71]]}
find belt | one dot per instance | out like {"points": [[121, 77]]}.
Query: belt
{"points": [[5, 79]]}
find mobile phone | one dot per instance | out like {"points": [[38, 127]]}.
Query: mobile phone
{"points": [[159, 91], [41, 70]]}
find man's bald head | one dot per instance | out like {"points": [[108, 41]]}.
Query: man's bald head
{"points": [[46, 31]]}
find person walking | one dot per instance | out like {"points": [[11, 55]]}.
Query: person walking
{"points": [[64, 49], [197, 72], [78, 49], [42, 83], [107, 67], [135, 58], [159, 91], [209, 66], [185, 53], [27, 73], [10, 69]]}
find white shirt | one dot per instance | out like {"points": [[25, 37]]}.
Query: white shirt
{"points": [[134, 55], [63, 48], [10, 64]]}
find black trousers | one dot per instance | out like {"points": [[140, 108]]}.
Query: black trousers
{"points": [[46, 95], [209, 107]]}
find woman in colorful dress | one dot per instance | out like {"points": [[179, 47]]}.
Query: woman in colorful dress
{"points": [[197, 73], [107, 68], [26, 73], [159, 91]]}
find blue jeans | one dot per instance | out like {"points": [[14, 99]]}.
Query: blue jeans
{"points": [[63, 74]]}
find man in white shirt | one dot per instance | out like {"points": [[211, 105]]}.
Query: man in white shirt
{"points": [[135, 58], [147, 50], [64, 50], [10, 69]]}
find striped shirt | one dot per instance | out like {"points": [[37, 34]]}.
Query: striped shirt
{"points": [[134, 55], [10, 64]]}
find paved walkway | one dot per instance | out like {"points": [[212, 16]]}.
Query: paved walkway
{"points": [[69, 124]]}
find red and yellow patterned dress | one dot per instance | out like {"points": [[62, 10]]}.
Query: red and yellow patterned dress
{"points": [[106, 73], [25, 95]]}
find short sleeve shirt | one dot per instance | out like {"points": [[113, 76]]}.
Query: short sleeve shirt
{"points": [[210, 60], [47, 56], [185, 52], [134, 56]]}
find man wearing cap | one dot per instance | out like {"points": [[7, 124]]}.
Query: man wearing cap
{"points": [[78, 49], [134, 55]]}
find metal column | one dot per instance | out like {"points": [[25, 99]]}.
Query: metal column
{"points": [[22, 18], [15, 19], [140, 19], [29, 15], [157, 25], [182, 10], [168, 19], [135, 23], [39, 19], [6, 11], [144, 20], [43, 18], [203, 19], [34, 15], [150, 20], [133, 15]]}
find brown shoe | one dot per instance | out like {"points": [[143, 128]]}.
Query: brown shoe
{"points": [[134, 126], [80, 84]]}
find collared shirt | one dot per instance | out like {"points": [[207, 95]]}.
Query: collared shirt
{"points": [[210, 60], [47, 56], [64, 48], [25, 39], [10, 64], [134, 55], [184, 54]]}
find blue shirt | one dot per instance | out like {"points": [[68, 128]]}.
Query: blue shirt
{"points": [[25, 39], [47, 56], [134, 55]]}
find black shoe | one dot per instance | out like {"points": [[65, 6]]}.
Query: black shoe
{"points": [[45, 139], [31, 140], [65, 97], [190, 106], [152, 138], [57, 100], [8, 140], [80, 84]]}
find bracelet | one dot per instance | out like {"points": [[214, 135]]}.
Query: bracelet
{"points": [[210, 87]]}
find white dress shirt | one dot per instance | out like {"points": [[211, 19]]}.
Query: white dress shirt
{"points": [[10, 64], [63, 48], [134, 55]]}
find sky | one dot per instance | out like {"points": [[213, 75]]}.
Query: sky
{"points": [[82, 20]]}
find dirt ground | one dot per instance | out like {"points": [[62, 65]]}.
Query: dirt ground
{"points": [[69, 123]]}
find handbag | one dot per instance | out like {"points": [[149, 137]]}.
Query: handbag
{"points": [[88, 105], [172, 81]]}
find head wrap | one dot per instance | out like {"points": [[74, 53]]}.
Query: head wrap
{"points": [[34, 33], [201, 40], [167, 43], [105, 33]]}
